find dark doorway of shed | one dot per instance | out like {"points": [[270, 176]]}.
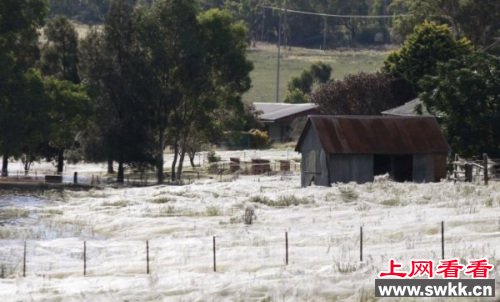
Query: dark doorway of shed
{"points": [[402, 168], [381, 164]]}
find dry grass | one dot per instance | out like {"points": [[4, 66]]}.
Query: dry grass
{"points": [[297, 59]]}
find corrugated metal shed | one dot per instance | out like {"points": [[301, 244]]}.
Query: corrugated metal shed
{"points": [[377, 134], [271, 112]]}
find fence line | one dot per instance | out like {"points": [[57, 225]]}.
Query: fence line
{"points": [[214, 250], [470, 169]]}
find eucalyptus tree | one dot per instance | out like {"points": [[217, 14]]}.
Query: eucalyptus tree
{"points": [[59, 61], [19, 85], [117, 73]]}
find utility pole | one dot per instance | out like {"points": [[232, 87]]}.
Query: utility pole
{"points": [[325, 26], [278, 59]]}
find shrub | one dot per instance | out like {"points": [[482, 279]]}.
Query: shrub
{"points": [[212, 157], [348, 194], [259, 139]]}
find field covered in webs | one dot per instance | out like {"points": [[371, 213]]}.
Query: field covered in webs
{"points": [[400, 220]]}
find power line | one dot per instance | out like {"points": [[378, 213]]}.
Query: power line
{"points": [[337, 16]]}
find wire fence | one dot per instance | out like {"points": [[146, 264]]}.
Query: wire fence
{"points": [[347, 249], [476, 169], [223, 170]]}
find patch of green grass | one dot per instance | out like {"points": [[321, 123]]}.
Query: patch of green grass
{"points": [[51, 212], [260, 199], [7, 214], [297, 59], [160, 200], [468, 190], [282, 201], [289, 200], [392, 202], [348, 194], [118, 203], [432, 231], [346, 267], [167, 211], [212, 211]]}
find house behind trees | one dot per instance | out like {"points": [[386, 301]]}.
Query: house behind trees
{"points": [[279, 117], [357, 148]]}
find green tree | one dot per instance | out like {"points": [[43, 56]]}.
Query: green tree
{"points": [[24, 118], [215, 96], [299, 88], [478, 20], [475, 19], [59, 59], [171, 35], [19, 20], [358, 94], [98, 140], [423, 50], [118, 71], [465, 94], [60, 52], [69, 111]]}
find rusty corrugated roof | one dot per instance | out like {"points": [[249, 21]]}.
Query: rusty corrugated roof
{"points": [[377, 134]]}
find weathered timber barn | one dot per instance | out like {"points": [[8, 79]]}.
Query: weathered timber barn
{"points": [[356, 148]]}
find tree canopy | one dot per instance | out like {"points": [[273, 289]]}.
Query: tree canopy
{"points": [[300, 87], [465, 94], [429, 44], [20, 86], [357, 94]]}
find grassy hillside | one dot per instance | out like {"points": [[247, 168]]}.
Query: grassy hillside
{"points": [[297, 59], [293, 61]]}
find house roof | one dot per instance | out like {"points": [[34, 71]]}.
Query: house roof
{"points": [[272, 112], [408, 109], [376, 134]]}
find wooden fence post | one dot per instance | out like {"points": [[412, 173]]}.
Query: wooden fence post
{"points": [[84, 258], [286, 248], [442, 239], [455, 168], [24, 260], [215, 264], [485, 164], [147, 257], [361, 243]]}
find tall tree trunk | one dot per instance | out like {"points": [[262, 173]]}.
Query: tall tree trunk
{"points": [[159, 161], [174, 161], [111, 170], [181, 159], [181, 162], [5, 166], [159, 168], [60, 161], [120, 175], [191, 156], [27, 165]]}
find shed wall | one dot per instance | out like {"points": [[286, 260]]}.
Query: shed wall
{"points": [[275, 132], [439, 166], [351, 167], [423, 168], [314, 167]]}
